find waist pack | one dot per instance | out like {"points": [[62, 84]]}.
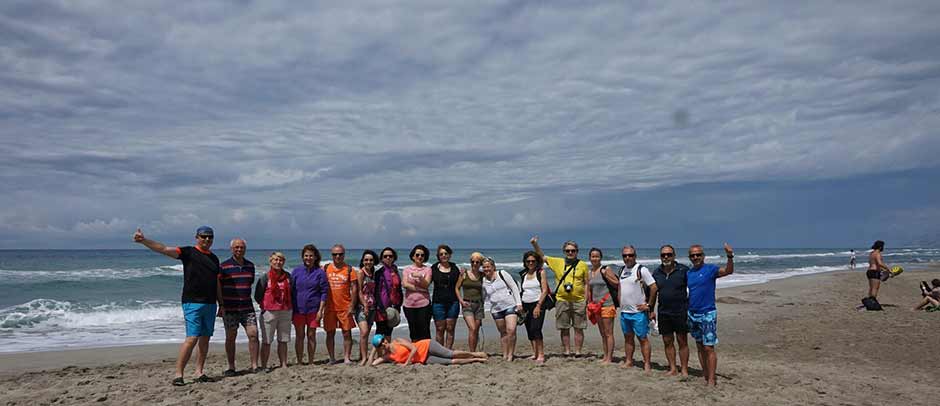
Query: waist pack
{"points": [[871, 303]]}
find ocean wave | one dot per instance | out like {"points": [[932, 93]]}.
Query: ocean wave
{"points": [[48, 314], [75, 275], [739, 278]]}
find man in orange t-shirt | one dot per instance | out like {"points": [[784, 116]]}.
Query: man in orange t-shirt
{"points": [[341, 305]]}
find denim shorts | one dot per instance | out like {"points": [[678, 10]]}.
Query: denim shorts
{"points": [[445, 311], [503, 313], [200, 319]]}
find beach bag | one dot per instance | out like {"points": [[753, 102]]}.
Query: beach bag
{"points": [[594, 309], [871, 304]]}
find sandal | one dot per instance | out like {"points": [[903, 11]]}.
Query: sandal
{"points": [[229, 373], [178, 381], [204, 378]]}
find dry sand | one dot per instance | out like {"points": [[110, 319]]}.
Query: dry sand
{"points": [[792, 341]]}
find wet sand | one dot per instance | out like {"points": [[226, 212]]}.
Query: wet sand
{"points": [[790, 341]]}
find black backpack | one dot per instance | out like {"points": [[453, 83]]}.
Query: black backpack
{"points": [[871, 303]]}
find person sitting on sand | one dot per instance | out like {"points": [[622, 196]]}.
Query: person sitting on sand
{"points": [[200, 296], [875, 266], [403, 351], [501, 296], [469, 292], [273, 294], [703, 314], [931, 296]]}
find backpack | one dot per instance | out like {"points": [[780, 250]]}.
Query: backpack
{"points": [[871, 304]]}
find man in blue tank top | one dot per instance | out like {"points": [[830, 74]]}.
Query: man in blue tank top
{"points": [[703, 315]]}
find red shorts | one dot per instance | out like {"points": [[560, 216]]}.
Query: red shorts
{"points": [[343, 318], [305, 320]]}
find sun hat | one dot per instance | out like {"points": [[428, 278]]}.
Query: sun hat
{"points": [[392, 318]]}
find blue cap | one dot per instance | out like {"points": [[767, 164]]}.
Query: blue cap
{"points": [[205, 230], [377, 340]]}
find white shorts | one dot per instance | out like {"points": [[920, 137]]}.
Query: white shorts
{"points": [[277, 321]]}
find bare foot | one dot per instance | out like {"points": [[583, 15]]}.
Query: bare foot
{"points": [[626, 364], [671, 372], [540, 360]]}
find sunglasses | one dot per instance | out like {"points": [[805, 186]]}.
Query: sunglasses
{"points": [[476, 262], [697, 255], [205, 237], [419, 255], [338, 254], [388, 256], [530, 261], [667, 255], [443, 253], [570, 251], [629, 255]]}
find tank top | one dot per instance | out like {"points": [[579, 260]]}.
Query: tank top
{"points": [[399, 353], [368, 289], [531, 289], [444, 283], [599, 289], [472, 288]]}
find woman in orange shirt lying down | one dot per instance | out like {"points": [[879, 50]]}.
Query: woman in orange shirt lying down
{"points": [[427, 351]]}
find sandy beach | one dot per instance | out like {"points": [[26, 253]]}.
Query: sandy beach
{"points": [[792, 341]]}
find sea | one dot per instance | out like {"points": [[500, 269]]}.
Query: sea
{"points": [[69, 299]]}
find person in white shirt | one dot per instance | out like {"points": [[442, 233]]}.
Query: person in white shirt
{"points": [[501, 296], [634, 307]]}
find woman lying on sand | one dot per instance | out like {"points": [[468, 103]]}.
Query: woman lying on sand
{"points": [[427, 351]]}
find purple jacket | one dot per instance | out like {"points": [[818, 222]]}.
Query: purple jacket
{"points": [[308, 289]]}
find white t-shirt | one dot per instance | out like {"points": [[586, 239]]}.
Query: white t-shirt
{"points": [[499, 295], [631, 290]]}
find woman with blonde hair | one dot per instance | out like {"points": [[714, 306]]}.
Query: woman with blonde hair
{"points": [[501, 296], [469, 290], [273, 295]]}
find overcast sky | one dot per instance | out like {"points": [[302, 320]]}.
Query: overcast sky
{"points": [[785, 124]]}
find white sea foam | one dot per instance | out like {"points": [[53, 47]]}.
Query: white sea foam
{"points": [[20, 277], [738, 279]]}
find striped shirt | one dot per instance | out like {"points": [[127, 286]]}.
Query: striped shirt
{"points": [[237, 281]]}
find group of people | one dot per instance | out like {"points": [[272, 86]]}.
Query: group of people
{"points": [[680, 299]]}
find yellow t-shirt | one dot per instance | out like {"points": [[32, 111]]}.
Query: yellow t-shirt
{"points": [[575, 277]]}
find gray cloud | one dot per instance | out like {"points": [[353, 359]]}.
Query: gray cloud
{"points": [[377, 122]]}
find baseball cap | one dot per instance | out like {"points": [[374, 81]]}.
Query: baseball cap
{"points": [[204, 230]]}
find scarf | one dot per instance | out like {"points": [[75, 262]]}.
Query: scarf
{"points": [[279, 295]]}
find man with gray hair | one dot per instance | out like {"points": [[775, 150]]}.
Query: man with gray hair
{"points": [[571, 275], [235, 282]]}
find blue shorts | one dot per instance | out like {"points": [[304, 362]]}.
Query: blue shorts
{"points": [[200, 319], [443, 311], [704, 327], [503, 313], [635, 323]]}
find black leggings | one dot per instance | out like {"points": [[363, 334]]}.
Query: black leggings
{"points": [[381, 327], [419, 322], [533, 325]]}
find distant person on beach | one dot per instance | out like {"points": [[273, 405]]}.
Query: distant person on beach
{"points": [[603, 299], [931, 295], [876, 265], [200, 296], [534, 291], [444, 304], [635, 307], [237, 277], [273, 294], [310, 289], [388, 293], [416, 278], [501, 296], [469, 292], [426, 351], [703, 314], [344, 287], [852, 261], [673, 305], [571, 275], [365, 306]]}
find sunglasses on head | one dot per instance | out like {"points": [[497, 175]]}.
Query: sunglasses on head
{"points": [[697, 255], [667, 255], [629, 255]]}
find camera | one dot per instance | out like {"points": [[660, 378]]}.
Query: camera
{"points": [[568, 287]]}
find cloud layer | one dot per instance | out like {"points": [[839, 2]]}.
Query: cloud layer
{"points": [[381, 123]]}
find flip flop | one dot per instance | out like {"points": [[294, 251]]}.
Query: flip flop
{"points": [[178, 381]]}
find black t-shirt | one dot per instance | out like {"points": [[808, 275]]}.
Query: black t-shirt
{"points": [[673, 290], [200, 275], [444, 284]]}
